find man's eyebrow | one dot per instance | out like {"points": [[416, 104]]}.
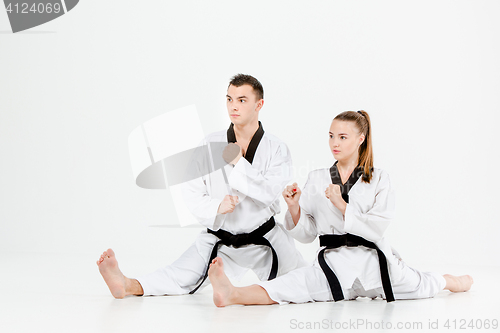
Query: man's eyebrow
{"points": [[240, 97]]}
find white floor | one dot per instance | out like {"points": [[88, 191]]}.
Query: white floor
{"points": [[65, 293]]}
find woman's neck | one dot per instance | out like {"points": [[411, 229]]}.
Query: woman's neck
{"points": [[349, 164], [346, 167]]}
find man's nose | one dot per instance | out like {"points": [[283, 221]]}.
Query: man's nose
{"points": [[232, 106]]}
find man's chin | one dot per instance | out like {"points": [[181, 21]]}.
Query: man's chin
{"points": [[235, 121]]}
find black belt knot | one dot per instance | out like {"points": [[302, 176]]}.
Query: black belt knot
{"points": [[349, 240], [255, 237], [239, 240], [236, 240]]}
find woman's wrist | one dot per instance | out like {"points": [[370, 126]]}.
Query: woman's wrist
{"points": [[293, 208], [342, 207], [294, 212]]}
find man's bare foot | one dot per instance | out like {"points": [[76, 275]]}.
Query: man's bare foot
{"points": [[458, 283], [114, 278], [223, 289]]}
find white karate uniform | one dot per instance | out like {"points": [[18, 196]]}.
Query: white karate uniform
{"points": [[368, 214], [258, 187]]}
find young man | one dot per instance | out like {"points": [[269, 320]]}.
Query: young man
{"points": [[236, 204]]}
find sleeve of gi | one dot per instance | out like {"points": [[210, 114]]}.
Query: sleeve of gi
{"points": [[202, 205], [197, 197], [263, 187], [305, 231], [372, 224]]}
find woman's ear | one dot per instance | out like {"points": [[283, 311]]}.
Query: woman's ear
{"points": [[361, 139]]}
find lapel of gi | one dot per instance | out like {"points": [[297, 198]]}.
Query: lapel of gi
{"points": [[252, 146], [345, 188]]}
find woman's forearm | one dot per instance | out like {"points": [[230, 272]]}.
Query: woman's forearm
{"points": [[295, 212]]}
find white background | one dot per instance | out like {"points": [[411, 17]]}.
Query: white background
{"points": [[72, 90]]}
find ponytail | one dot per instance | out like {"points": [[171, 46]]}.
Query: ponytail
{"points": [[365, 152]]}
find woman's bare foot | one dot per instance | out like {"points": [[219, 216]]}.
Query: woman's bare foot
{"points": [[458, 283], [223, 289], [114, 278]]}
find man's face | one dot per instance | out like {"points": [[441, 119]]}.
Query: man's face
{"points": [[242, 105]]}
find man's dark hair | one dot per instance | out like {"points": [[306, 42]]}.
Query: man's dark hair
{"points": [[240, 79]]}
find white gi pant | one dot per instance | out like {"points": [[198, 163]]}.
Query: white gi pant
{"points": [[184, 274], [309, 284]]}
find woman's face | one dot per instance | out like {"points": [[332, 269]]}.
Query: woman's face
{"points": [[345, 140]]}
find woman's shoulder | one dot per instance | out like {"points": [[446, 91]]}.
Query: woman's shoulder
{"points": [[319, 173], [380, 177], [380, 173]]}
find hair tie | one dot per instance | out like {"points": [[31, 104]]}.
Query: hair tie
{"points": [[360, 112]]}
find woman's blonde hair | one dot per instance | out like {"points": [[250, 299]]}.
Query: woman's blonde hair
{"points": [[365, 154]]}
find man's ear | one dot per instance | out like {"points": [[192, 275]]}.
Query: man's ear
{"points": [[260, 104]]}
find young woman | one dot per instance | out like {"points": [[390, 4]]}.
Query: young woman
{"points": [[349, 206]]}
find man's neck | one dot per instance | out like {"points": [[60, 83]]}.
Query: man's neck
{"points": [[246, 132]]}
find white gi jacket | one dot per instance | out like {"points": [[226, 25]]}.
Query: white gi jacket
{"points": [[368, 214], [257, 185]]}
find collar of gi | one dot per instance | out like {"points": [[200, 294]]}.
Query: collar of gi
{"points": [[252, 146], [353, 178]]}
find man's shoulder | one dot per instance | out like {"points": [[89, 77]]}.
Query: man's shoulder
{"points": [[276, 145], [219, 136], [273, 138]]}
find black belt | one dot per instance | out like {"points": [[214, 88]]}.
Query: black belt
{"points": [[255, 237], [336, 241]]}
